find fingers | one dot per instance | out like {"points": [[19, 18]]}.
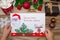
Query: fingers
{"points": [[8, 27], [47, 31]]}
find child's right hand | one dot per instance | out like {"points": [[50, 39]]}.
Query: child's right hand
{"points": [[49, 34]]}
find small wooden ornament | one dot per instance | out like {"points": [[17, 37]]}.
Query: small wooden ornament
{"points": [[52, 25], [53, 20]]}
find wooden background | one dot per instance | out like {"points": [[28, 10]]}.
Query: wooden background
{"points": [[56, 30]]}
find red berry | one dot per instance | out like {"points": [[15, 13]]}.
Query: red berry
{"points": [[39, 8], [35, 1], [19, 7], [26, 5]]}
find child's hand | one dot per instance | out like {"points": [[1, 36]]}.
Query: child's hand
{"points": [[6, 32], [49, 35]]}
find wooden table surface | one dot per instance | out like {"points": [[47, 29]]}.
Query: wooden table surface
{"points": [[56, 30]]}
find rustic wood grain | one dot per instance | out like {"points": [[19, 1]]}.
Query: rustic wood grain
{"points": [[56, 30]]}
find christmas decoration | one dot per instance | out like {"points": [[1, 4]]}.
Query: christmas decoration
{"points": [[35, 6], [53, 20], [23, 29], [7, 6], [52, 25], [7, 10], [40, 2], [19, 7], [56, 0], [51, 9], [26, 5], [19, 2], [39, 8], [35, 1]]}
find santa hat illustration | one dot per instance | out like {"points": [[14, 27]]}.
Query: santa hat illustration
{"points": [[17, 16]]}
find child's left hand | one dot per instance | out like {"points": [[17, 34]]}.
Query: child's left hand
{"points": [[6, 31]]}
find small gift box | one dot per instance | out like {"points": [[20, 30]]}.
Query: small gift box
{"points": [[51, 9], [56, 0]]}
